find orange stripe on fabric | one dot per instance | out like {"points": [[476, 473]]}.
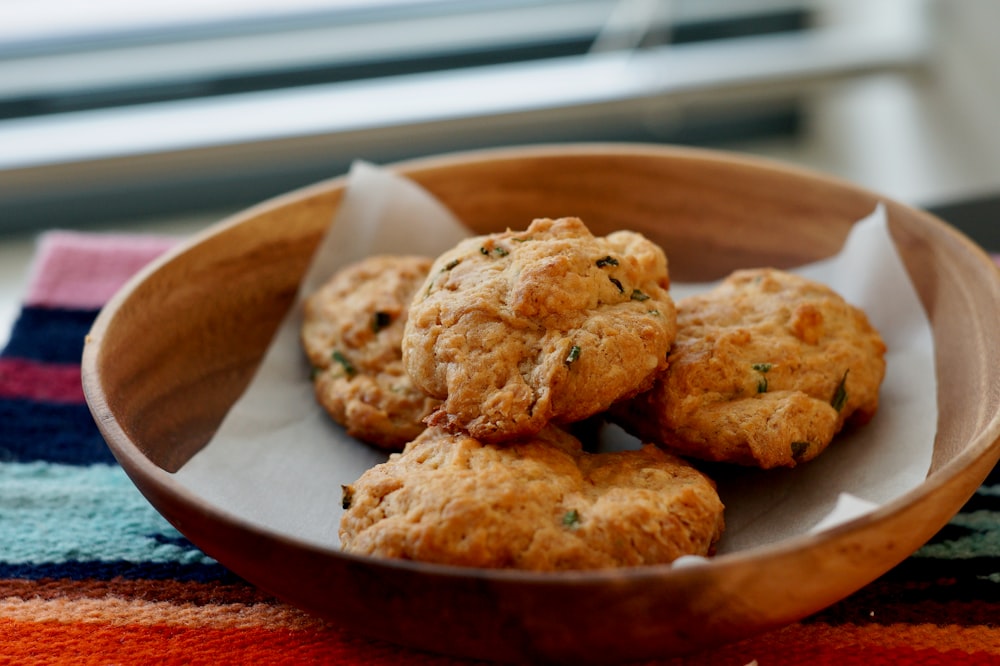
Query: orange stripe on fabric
{"points": [[91, 644], [98, 643], [979, 639], [115, 611], [805, 643]]}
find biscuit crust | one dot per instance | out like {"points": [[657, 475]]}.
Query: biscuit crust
{"points": [[516, 329], [539, 504], [352, 333], [766, 370]]}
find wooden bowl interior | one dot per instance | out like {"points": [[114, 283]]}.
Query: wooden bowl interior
{"points": [[173, 351]]}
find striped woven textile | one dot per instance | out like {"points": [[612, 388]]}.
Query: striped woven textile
{"points": [[91, 574]]}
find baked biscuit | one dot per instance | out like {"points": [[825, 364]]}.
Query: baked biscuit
{"points": [[352, 332], [766, 369], [517, 329], [539, 503]]}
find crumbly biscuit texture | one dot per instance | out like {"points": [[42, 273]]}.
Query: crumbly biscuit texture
{"points": [[766, 370], [518, 329], [352, 333], [538, 504]]}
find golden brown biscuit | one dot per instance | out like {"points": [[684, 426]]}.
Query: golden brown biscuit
{"points": [[352, 332], [517, 329], [766, 369], [539, 504]]}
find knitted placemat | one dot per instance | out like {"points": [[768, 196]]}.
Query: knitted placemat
{"points": [[91, 574]]}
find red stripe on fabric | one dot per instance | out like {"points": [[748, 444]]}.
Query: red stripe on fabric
{"points": [[83, 270], [48, 382]]}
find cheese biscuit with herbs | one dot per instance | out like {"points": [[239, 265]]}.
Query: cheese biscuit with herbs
{"points": [[767, 368], [538, 503], [517, 329], [352, 333]]}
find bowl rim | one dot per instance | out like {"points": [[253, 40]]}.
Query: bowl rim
{"points": [[985, 443]]}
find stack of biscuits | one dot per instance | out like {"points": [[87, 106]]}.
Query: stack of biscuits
{"points": [[474, 369]]}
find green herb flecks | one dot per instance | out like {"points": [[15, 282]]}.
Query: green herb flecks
{"points": [[618, 284], [497, 250], [574, 353], [571, 519], [607, 261], [484, 251], [762, 368], [840, 395], [346, 496], [655, 313], [380, 320], [342, 360], [522, 240], [799, 450], [314, 373], [447, 267], [638, 296]]}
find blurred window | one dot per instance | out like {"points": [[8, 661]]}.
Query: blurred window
{"points": [[118, 105], [63, 55]]}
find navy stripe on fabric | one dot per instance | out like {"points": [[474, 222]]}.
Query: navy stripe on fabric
{"points": [[982, 502], [50, 432], [201, 573], [53, 335], [925, 569], [942, 590], [951, 532], [993, 478]]}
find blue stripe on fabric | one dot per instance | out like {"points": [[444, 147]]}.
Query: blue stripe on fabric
{"points": [[59, 514], [52, 335], [53, 432], [91, 570]]}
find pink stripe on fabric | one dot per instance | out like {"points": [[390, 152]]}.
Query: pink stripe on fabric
{"points": [[83, 270], [48, 382]]}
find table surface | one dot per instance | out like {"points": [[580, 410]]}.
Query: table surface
{"points": [[89, 573]]}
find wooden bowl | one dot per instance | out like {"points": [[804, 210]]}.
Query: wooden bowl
{"points": [[174, 349]]}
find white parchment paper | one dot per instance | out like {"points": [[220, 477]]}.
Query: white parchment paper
{"points": [[279, 462]]}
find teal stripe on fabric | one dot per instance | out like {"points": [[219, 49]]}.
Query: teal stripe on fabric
{"points": [[51, 513], [981, 538]]}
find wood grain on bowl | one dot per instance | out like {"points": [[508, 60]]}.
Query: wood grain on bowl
{"points": [[173, 350]]}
